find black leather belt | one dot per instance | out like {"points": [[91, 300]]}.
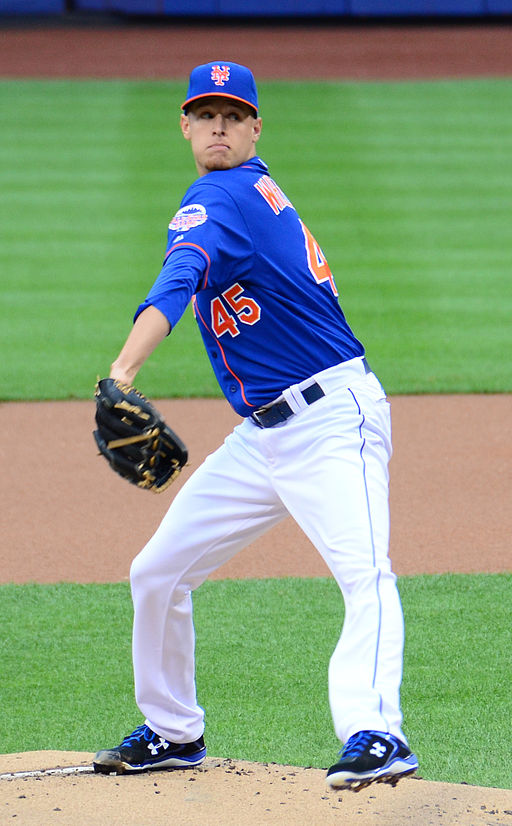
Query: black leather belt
{"points": [[281, 411]]}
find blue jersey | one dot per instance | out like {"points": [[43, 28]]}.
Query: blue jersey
{"points": [[263, 295]]}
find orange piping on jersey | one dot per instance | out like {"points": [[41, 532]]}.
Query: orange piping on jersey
{"points": [[240, 382], [197, 247]]}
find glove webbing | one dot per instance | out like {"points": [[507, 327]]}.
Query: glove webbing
{"points": [[149, 479], [131, 440]]}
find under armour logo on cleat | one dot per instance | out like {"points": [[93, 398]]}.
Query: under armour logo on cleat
{"points": [[153, 747], [378, 749]]}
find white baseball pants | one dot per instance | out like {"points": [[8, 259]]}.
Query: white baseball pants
{"points": [[326, 466]]}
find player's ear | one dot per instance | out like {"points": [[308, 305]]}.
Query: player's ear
{"points": [[185, 127], [256, 129]]}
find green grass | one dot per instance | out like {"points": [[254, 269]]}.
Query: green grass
{"points": [[262, 651], [407, 187]]}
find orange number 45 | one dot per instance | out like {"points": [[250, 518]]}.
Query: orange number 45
{"points": [[240, 308]]}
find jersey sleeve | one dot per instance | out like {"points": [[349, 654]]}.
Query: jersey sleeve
{"points": [[210, 222], [208, 232], [182, 272]]}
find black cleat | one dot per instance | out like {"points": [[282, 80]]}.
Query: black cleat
{"points": [[143, 749], [371, 757]]}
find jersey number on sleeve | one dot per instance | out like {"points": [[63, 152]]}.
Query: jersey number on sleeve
{"points": [[317, 262], [239, 308]]}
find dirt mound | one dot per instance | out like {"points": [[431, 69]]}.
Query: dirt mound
{"points": [[227, 793]]}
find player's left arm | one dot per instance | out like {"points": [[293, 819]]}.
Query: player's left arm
{"points": [[150, 328]]}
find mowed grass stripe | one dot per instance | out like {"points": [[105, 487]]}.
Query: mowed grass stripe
{"points": [[407, 187], [263, 648]]}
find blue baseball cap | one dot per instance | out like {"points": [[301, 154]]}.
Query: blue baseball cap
{"points": [[222, 78]]}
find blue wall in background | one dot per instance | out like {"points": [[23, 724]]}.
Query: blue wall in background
{"points": [[27, 7], [266, 8]]}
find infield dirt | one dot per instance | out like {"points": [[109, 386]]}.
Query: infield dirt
{"points": [[450, 476]]}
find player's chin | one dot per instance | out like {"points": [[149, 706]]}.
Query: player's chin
{"points": [[218, 160], [218, 164]]}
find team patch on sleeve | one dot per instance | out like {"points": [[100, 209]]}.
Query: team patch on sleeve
{"points": [[188, 217]]}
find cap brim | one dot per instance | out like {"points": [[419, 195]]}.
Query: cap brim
{"points": [[219, 95]]}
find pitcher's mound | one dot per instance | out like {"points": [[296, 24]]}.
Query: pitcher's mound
{"points": [[38, 788]]}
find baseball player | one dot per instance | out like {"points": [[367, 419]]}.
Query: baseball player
{"points": [[314, 443]]}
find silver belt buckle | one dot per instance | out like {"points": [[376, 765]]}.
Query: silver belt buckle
{"points": [[256, 414], [255, 417]]}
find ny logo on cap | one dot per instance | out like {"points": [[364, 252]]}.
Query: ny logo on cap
{"points": [[220, 76]]}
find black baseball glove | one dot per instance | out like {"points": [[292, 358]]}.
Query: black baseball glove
{"points": [[134, 439]]}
